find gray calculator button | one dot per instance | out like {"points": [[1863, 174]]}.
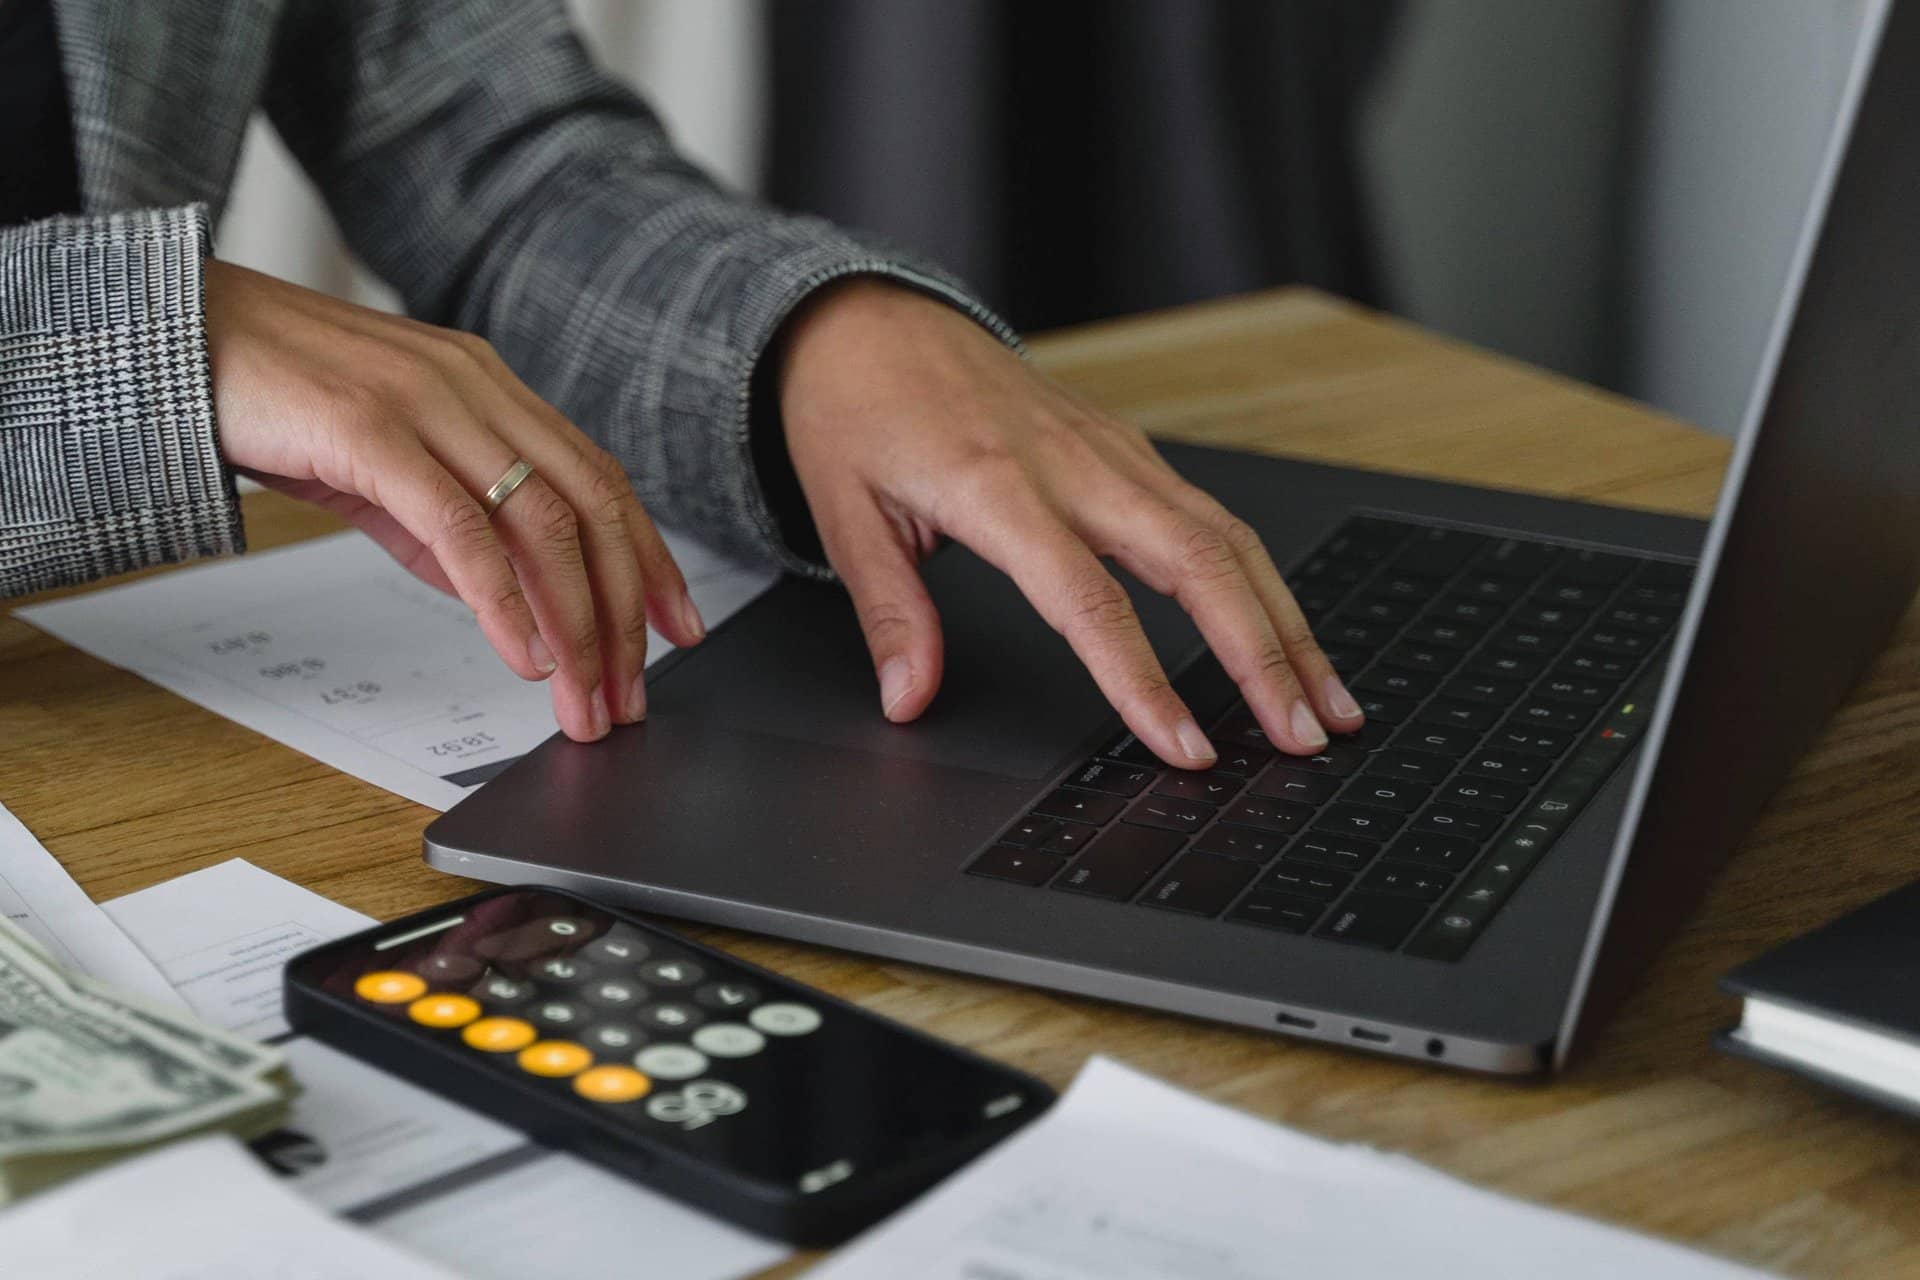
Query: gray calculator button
{"points": [[715, 1097], [728, 995], [673, 1108], [565, 927], [672, 973], [501, 990], [614, 1037], [785, 1019], [451, 967], [670, 1062], [729, 1040], [559, 1013], [670, 1017], [614, 993], [617, 950], [561, 969]]}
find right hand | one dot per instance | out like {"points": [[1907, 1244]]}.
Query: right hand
{"points": [[400, 427]]}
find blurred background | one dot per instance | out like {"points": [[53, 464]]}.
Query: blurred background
{"points": [[1609, 188]]}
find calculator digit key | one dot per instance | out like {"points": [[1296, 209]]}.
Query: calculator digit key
{"points": [[502, 990], [555, 1059], [559, 1014], [672, 973], [617, 950], [728, 1040], [617, 1039], [499, 1035], [562, 969], [727, 995], [614, 993], [716, 1097], [390, 986], [670, 1017], [670, 1061]]}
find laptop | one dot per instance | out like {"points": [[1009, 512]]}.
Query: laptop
{"points": [[1573, 714]]}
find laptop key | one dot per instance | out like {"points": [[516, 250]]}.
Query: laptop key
{"points": [[1384, 791], [1576, 688], [1482, 793], [1360, 820], [1549, 714], [1208, 788], [1304, 880], [1421, 657], [1170, 815], [1516, 735], [1200, 883], [1119, 862], [1581, 595], [1594, 662], [1452, 820], [1358, 632], [1281, 911], [1082, 806], [1512, 558], [1021, 866], [1468, 609], [1112, 778], [1439, 739], [1069, 838], [1394, 681], [1282, 783], [1457, 715], [1338, 761], [1420, 883], [1508, 766], [1430, 848], [1421, 766], [1638, 618], [1381, 609], [1370, 736], [1497, 690], [1242, 761], [1438, 553], [1332, 849], [1239, 842], [1507, 666], [1279, 816], [1130, 750], [1527, 640], [1446, 634], [1373, 920], [1550, 616], [1617, 641], [1596, 567], [1033, 830]]}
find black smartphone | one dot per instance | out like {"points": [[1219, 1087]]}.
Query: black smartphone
{"points": [[759, 1099]]}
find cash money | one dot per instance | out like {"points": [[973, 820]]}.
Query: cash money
{"points": [[88, 1074]]}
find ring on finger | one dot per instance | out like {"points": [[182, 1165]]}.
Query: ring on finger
{"points": [[502, 489]]}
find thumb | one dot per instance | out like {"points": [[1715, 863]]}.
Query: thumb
{"points": [[902, 627]]}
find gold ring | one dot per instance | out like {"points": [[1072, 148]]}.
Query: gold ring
{"points": [[503, 487]]}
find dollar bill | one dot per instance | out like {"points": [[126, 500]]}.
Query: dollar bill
{"points": [[88, 1075]]}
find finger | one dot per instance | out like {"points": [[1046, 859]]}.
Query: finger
{"points": [[1011, 528], [896, 614], [1179, 555], [1333, 704], [431, 505], [540, 532]]}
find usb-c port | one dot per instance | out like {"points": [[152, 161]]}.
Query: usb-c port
{"points": [[1286, 1019], [1370, 1035]]}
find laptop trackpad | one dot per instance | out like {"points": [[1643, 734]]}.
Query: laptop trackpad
{"points": [[1013, 701]]}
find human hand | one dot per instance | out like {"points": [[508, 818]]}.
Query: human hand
{"points": [[906, 422], [401, 427]]}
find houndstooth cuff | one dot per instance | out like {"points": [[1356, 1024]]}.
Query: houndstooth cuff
{"points": [[108, 456]]}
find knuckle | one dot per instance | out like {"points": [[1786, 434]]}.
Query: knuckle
{"points": [[608, 493], [1273, 660], [1205, 555], [1239, 535], [549, 521], [886, 623], [1096, 604]]}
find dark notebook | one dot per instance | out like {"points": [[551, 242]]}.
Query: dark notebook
{"points": [[1841, 1005]]}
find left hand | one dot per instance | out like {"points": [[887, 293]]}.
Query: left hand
{"points": [[906, 422]]}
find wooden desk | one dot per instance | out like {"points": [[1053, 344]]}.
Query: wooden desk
{"points": [[129, 785]]}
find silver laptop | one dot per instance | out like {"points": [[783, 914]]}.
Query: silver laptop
{"points": [[1574, 712]]}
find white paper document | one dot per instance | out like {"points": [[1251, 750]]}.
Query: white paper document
{"points": [[37, 894], [332, 648], [415, 1167], [1128, 1178], [198, 1210]]}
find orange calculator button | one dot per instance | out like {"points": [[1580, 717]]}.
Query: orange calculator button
{"points": [[555, 1058], [444, 1009], [611, 1084], [498, 1035], [390, 986]]}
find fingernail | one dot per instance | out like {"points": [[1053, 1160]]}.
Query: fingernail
{"points": [[690, 619], [597, 711], [896, 682], [1194, 742], [1339, 699], [1306, 727], [637, 700], [542, 656]]}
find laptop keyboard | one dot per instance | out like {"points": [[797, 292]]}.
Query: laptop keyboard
{"points": [[1503, 680]]}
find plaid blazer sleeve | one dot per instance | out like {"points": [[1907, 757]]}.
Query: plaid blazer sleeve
{"points": [[108, 458], [480, 163]]}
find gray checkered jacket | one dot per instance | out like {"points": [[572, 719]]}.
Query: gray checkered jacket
{"points": [[477, 160]]}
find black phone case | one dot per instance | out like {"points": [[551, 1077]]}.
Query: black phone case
{"points": [[808, 1218]]}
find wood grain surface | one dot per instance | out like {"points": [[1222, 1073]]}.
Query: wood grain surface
{"points": [[129, 785]]}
